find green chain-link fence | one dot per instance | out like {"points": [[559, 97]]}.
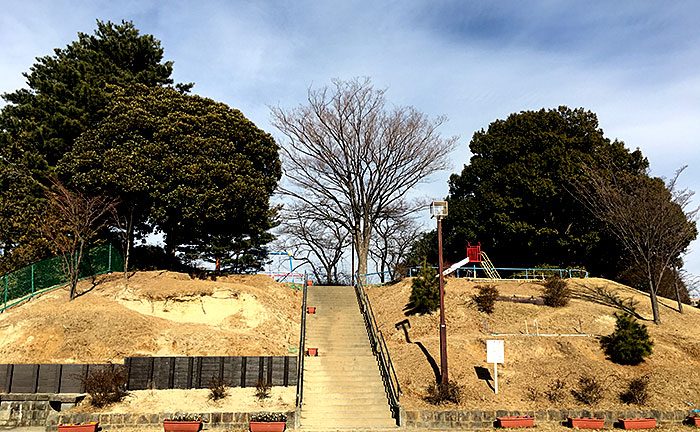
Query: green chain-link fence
{"points": [[45, 275]]}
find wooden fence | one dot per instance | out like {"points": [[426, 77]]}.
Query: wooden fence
{"points": [[153, 372]]}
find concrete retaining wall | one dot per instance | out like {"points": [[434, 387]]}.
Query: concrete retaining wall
{"points": [[487, 419], [19, 409], [113, 421]]}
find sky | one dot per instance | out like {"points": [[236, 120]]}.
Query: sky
{"points": [[636, 64]]}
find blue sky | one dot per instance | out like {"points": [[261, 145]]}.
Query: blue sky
{"points": [[636, 63]]}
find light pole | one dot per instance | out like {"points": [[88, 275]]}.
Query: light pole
{"points": [[438, 210]]}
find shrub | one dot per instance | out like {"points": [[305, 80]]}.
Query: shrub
{"points": [[637, 391], [105, 385], [629, 343], [555, 391], [185, 417], [268, 417], [443, 393], [556, 292], [425, 290], [486, 298], [532, 393], [588, 390], [262, 390], [218, 389]]}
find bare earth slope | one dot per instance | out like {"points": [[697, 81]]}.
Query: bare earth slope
{"points": [[533, 362], [162, 313]]}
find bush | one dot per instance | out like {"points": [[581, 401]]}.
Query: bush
{"points": [[588, 390], [532, 393], [556, 292], [262, 390], [439, 394], [637, 391], [425, 290], [218, 389], [629, 343], [486, 298], [555, 392], [105, 385]]}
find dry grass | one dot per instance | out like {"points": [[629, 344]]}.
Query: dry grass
{"points": [[162, 313], [535, 362]]}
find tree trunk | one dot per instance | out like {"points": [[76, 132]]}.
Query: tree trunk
{"points": [[678, 292], [127, 248], [362, 252], [654, 305]]}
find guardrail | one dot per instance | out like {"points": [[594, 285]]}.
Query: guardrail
{"points": [[380, 350], [302, 348], [517, 272]]}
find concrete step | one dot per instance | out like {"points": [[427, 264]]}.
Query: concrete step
{"points": [[341, 398], [330, 424]]}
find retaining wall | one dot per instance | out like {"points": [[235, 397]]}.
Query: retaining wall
{"points": [[33, 409], [487, 419], [114, 421]]}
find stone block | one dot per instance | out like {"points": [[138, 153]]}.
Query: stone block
{"points": [[215, 419], [227, 417], [464, 416], [241, 418]]}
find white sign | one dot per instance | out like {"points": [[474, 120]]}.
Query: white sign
{"points": [[494, 351]]}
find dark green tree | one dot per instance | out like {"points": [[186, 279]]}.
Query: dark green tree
{"points": [[513, 195], [188, 166], [630, 343], [67, 93], [425, 291]]}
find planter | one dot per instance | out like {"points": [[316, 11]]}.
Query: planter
{"points": [[586, 423], [311, 310], [517, 421], [638, 423], [694, 420], [267, 426], [84, 427], [312, 352], [182, 426]]}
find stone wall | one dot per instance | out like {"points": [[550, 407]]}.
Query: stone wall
{"points": [[115, 421], [18, 409], [487, 419]]}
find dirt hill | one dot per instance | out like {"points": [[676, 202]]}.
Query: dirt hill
{"points": [[161, 313], [532, 363]]}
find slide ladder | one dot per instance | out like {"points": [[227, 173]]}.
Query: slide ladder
{"points": [[491, 272]]}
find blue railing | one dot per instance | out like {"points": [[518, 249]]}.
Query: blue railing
{"points": [[478, 272]]}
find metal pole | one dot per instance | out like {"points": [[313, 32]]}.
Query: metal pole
{"points": [[352, 259], [443, 328], [109, 262], [32, 279]]}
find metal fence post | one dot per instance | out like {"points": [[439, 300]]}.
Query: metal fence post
{"points": [[5, 293], [32, 279], [109, 262]]}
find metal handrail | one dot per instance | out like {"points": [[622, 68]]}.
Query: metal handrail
{"points": [[379, 348], [302, 347]]}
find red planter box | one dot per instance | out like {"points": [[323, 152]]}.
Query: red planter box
{"points": [[517, 421], [638, 423], [694, 420], [311, 310], [87, 427], [312, 352], [267, 426], [586, 423], [182, 426]]}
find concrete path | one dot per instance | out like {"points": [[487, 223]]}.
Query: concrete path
{"points": [[342, 386]]}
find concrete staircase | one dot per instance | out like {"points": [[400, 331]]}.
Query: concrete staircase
{"points": [[343, 388]]}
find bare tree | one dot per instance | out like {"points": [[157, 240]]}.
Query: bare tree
{"points": [[70, 221], [393, 239], [315, 241], [349, 158], [649, 218], [124, 225]]}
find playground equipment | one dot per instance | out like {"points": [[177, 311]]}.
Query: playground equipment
{"points": [[475, 255]]}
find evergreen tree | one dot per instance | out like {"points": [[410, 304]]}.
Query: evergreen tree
{"points": [[425, 290], [630, 343]]}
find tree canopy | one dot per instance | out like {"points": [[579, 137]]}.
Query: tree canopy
{"points": [[189, 166], [513, 197], [102, 116]]}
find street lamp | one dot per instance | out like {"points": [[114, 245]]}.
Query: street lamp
{"points": [[438, 210]]}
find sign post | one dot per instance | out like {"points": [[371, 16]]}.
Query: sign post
{"points": [[495, 355]]}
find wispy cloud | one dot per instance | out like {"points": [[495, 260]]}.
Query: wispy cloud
{"points": [[633, 63]]}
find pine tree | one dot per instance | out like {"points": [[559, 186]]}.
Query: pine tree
{"points": [[629, 343], [425, 290]]}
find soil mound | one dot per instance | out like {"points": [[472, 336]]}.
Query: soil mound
{"points": [[160, 313], [533, 363]]}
